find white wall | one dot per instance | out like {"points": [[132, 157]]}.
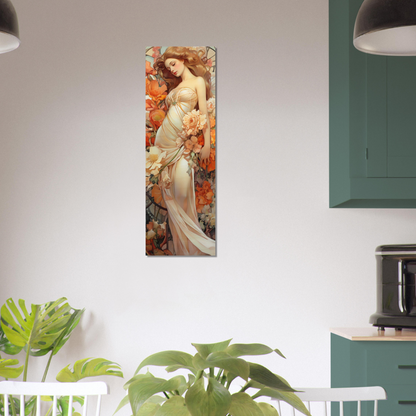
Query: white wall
{"points": [[72, 185]]}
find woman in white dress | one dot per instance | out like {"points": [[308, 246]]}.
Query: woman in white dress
{"points": [[188, 85]]}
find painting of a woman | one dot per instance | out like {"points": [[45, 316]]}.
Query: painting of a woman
{"points": [[182, 147]]}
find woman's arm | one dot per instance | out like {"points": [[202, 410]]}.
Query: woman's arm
{"points": [[202, 103]]}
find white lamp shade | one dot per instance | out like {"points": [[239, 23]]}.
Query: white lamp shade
{"points": [[386, 27], [8, 42], [398, 41], [9, 27]]}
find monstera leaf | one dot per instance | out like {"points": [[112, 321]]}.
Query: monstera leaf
{"points": [[70, 325], [38, 329], [6, 346], [89, 367], [6, 369]]}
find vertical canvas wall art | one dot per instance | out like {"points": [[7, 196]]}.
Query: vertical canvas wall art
{"points": [[180, 151]]}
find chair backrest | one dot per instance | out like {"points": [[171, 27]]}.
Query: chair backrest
{"points": [[15, 393], [340, 395]]}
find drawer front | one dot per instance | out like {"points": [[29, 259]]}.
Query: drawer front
{"points": [[390, 366], [401, 401]]}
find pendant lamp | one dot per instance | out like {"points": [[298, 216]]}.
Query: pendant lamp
{"points": [[9, 28], [386, 27]]}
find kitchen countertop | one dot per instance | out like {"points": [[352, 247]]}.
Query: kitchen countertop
{"points": [[373, 334]]}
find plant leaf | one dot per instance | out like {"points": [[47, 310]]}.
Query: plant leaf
{"points": [[174, 407], [243, 405], [286, 396], [215, 401], [172, 368], [141, 388], [237, 366], [6, 346], [61, 340], [7, 371], [35, 330], [124, 401], [267, 409], [266, 377], [238, 350], [148, 409], [167, 358], [89, 367], [206, 349], [67, 332]]}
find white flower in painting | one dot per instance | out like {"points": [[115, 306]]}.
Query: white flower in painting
{"points": [[193, 122], [154, 159], [150, 234], [165, 179], [211, 106]]}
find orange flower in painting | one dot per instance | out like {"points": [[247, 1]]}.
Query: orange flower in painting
{"points": [[155, 91], [157, 196], [203, 195], [150, 105], [156, 52], [150, 141], [156, 117], [149, 69], [212, 122], [213, 137], [201, 140], [211, 161]]}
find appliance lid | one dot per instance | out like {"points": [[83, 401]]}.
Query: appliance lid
{"points": [[396, 250]]}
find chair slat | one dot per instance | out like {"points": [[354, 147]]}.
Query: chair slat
{"points": [[84, 413], [38, 406], [6, 405], [98, 405], [70, 405], [55, 405], [22, 404]]}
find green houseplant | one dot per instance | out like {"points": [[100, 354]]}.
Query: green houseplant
{"points": [[206, 390], [39, 331]]}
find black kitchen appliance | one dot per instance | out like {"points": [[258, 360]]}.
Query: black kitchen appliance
{"points": [[396, 290]]}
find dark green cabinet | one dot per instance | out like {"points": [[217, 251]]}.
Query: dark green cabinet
{"points": [[372, 121], [390, 364]]}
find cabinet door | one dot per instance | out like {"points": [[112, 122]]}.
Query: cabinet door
{"points": [[391, 117], [372, 121]]}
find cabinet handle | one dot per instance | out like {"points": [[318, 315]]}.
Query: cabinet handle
{"points": [[407, 402], [407, 367]]}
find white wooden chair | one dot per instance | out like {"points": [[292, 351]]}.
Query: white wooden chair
{"points": [[340, 395], [19, 389]]}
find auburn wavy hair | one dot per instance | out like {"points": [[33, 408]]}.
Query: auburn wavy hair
{"points": [[195, 61]]}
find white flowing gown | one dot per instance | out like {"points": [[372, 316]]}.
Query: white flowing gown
{"points": [[188, 238]]}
